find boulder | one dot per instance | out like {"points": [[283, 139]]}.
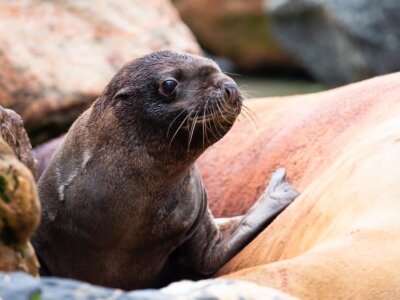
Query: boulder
{"points": [[13, 133], [236, 29], [339, 41], [57, 56], [19, 213], [22, 286], [19, 203]]}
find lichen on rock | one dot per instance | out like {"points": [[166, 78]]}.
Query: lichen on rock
{"points": [[19, 202]]}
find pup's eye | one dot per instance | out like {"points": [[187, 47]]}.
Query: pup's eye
{"points": [[168, 86]]}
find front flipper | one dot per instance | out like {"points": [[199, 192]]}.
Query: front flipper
{"points": [[212, 244]]}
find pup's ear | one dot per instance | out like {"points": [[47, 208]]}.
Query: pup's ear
{"points": [[122, 94]]}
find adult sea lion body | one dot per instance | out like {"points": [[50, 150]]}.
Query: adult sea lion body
{"points": [[123, 202]]}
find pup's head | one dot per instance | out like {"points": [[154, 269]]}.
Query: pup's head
{"points": [[181, 100]]}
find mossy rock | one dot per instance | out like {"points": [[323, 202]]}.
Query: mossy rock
{"points": [[238, 30], [19, 213]]}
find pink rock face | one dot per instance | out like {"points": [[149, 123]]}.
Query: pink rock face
{"points": [[57, 56]]}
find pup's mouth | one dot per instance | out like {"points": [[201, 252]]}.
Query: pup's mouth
{"points": [[209, 120], [220, 111], [202, 120], [220, 119]]}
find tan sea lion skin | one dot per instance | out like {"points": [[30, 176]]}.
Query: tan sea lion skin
{"points": [[341, 238], [123, 202]]}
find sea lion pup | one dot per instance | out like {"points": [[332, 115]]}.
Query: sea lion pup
{"points": [[123, 204]]}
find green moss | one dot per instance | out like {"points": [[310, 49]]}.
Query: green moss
{"points": [[244, 32], [3, 189], [23, 251], [35, 296]]}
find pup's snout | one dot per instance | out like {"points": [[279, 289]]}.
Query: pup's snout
{"points": [[228, 87], [231, 91]]}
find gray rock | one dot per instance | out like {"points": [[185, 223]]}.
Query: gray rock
{"points": [[20, 286], [339, 41]]}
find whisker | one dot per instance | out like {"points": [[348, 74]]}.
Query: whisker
{"points": [[192, 130], [222, 113], [203, 124], [169, 127], [233, 74], [215, 119], [191, 90], [246, 108], [206, 123], [248, 93], [212, 113], [180, 126], [253, 117], [231, 111]]}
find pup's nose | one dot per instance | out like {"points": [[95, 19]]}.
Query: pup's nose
{"points": [[231, 90]]}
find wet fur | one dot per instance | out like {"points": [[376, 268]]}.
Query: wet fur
{"points": [[123, 202]]}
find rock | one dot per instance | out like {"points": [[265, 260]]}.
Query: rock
{"points": [[236, 29], [19, 203], [339, 41], [19, 213], [15, 286], [13, 132], [57, 56]]}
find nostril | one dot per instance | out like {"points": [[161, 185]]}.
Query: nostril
{"points": [[228, 92], [230, 89]]}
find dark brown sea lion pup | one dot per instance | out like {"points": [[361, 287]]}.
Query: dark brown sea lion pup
{"points": [[123, 202]]}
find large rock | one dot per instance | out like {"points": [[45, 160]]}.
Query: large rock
{"points": [[339, 41], [15, 286], [57, 56], [19, 203], [13, 132], [236, 29]]}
